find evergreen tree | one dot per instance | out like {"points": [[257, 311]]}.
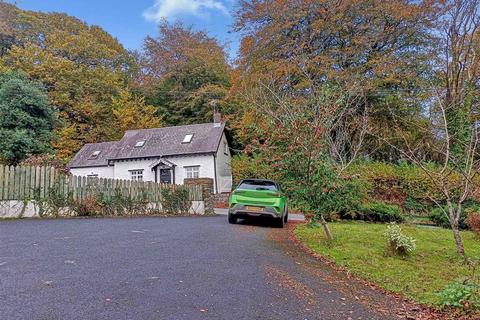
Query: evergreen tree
{"points": [[26, 118]]}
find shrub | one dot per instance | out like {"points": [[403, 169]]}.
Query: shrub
{"points": [[379, 212], [473, 220], [176, 200], [245, 167], [414, 206], [438, 216], [397, 242], [327, 194], [87, 207], [342, 200], [463, 295], [406, 185]]}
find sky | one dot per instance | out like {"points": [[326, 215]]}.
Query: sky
{"points": [[131, 21]]}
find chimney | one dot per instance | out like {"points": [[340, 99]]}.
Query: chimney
{"points": [[217, 118]]}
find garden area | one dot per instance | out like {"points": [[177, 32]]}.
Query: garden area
{"points": [[389, 225], [361, 249]]}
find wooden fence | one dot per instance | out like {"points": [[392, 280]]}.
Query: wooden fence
{"points": [[30, 183]]}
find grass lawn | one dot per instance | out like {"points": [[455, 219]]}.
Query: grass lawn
{"points": [[360, 248]]}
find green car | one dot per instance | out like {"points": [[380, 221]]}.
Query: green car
{"points": [[258, 198]]}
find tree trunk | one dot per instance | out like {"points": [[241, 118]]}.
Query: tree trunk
{"points": [[326, 229], [458, 241], [454, 214]]}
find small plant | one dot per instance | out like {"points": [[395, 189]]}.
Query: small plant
{"points": [[397, 242], [464, 295], [87, 207]]}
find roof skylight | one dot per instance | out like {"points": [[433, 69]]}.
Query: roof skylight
{"points": [[188, 138], [95, 154], [140, 144]]}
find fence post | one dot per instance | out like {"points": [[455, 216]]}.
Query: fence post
{"points": [[6, 179], [2, 180]]}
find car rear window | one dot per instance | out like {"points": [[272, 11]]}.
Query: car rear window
{"points": [[258, 185]]}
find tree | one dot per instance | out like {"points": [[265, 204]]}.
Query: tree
{"points": [[343, 41], [26, 118], [185, 71], [81, 67], [453, 115], [303, 142], [131, 112], [6, 21], [384, 45]]}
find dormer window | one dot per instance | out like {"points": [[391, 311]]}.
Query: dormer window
{"points": [[140, 144], [187, 138], [95, 154]]}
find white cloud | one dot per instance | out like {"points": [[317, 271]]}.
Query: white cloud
{"points": [[167, 9]]}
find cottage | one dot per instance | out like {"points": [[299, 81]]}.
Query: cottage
{"points": [[166, 155]]}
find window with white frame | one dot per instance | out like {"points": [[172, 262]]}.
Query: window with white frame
{"points": [[136, 175], [192, 172]]}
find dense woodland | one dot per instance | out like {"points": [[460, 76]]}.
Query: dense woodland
{"points": [[338, 100]]}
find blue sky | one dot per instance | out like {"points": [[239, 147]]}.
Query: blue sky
{"points": [[130, 21]]}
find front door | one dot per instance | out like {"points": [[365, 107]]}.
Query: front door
{"points": [[166, 176]]}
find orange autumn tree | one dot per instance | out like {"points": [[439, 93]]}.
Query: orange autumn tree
{"points": [[131, 113], [383, 45], [185, 72], [81, 66], [6, 34]]}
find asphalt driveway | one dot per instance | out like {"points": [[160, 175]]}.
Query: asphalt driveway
{"points": [[170, 268]]}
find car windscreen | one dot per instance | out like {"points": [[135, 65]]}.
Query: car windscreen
{"points": [[257, 185]]}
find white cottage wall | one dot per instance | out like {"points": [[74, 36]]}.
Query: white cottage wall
{"points": [[224, 166], [101, 172], [204, 161], [123, 169]]}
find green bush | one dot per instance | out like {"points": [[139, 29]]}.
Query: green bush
{"points": [[326, 194], [461, 295], [245, 167], [414, 206], [379, 212], [405, 184], [397, 242], [343, 200], [176, 200]]}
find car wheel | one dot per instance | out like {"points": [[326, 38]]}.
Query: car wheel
{"points": [[232, 219], [280, 222]]}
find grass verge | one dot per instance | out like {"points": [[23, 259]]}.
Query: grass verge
{"points": [[361, 249]]}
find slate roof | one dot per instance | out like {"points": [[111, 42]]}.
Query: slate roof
{"points": [[83, 158], [158, 142]]}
